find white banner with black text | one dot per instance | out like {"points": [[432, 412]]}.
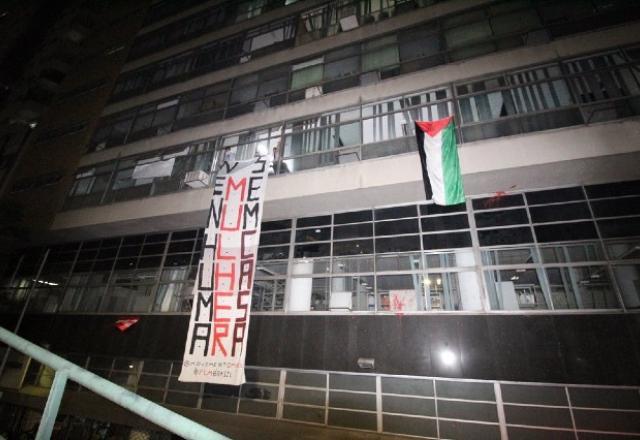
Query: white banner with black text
{"points": [[217, 335]]}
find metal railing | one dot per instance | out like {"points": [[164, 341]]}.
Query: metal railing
{"points": [[153, 412]]}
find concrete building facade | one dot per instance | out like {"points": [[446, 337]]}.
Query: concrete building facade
{"points": [[518, 317]]}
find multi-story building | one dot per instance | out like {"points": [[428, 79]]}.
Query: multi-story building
{"points": [[514, 315]]}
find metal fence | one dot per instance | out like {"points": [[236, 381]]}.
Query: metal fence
{"points": [[425, 407]]}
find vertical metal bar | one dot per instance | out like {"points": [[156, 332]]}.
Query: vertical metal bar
{"points": [[477, 255], [53, 404], [5, 358], [573, 419], [281, 389], [504, 435], [28, 299], [326, 399], [603, 248], [435, 405], [379, 402]]}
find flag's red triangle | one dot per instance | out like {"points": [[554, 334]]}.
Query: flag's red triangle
{"points": [[432, 128]]}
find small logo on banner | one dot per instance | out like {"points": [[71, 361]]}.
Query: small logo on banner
{"points": [[124, 323]]}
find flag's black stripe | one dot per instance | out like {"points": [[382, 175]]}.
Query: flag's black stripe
{"points": [[423, 161]]}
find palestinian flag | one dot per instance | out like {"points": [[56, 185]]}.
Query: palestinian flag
{"points": [[440, 164]]}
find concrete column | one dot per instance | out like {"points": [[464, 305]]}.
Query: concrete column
{"points": [[470, 294], [299, 298]]}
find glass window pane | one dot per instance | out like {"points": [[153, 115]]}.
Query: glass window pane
{"points": [[466, 35], [571, 253], [396, 227], [566, 232], [398, 244], [353, 247], [501, 218], [453, 291], [525, 255], [398, 262], [307, 76], [628, 277], [386, 56], [352, 293], [498, 201], [352, 264], [400, 293], [624, 250], [444, 241], [314, 234], [555, 195], [566, 211], [443, 223], [505, 236], [516, 289], [353, 231], [352, 217], [581, 288]]}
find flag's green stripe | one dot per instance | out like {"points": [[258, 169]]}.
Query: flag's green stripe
{"points": [[453, 191]]}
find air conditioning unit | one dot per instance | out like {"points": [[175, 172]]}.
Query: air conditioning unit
{"points": [[312, 92], [197, 179], [349, 22]]}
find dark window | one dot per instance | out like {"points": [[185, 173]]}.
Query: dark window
{"points": [[88, 254], [312, 250], [155, 238], [184, 235], [352, 217], [313, 234], [501, 218], [275, 225], [353, 247], [110, 242], [566, 231], [126, 263], [314, 221], [555, 195], [437, 209], [91, 244], [398, 244], [565, 211], [615, 207], [446, 241], [149, 262], [613, 189], [353, 231], [103, 265], [498, 201], [180, 246], [397, 227], [505, 236], [153, 249], [622, 227], [107, 253], [178, 260], [399, 212], [273, 253], [129, 251], [444, 223], [275, 237], [134, 239]]}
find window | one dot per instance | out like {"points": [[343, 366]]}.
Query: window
{"points": [[307, 73], [379, 54], [517, 289]]}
